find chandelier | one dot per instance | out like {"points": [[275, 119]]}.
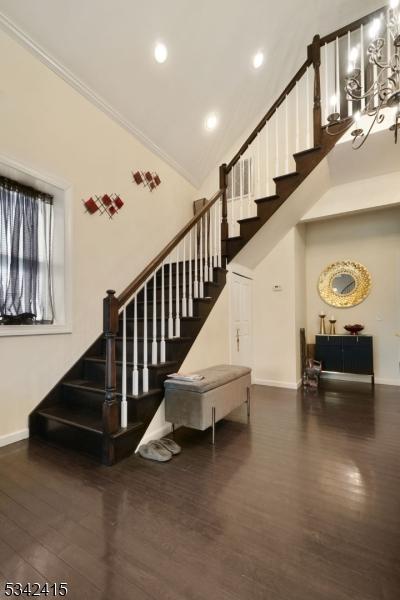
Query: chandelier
{"points": [[384, 92]]}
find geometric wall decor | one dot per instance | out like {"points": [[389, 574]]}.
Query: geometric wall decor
{"points": [[107, 204], [149, 180]]}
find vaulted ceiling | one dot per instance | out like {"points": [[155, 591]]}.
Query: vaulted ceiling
{"points": [[106, 49]]}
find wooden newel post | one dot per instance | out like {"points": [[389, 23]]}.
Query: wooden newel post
{"points": [[223, 184], [110, 328], [315, 56]]}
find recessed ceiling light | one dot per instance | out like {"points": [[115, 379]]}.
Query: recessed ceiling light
{"points": [[160, 53], [211, 122], [258, 60]]}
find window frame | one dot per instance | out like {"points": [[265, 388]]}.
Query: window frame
{"points": [[62, 193]]}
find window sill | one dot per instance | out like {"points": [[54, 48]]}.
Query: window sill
{"points": [[18, 330]]}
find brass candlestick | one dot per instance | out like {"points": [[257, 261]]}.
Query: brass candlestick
{"points": [[332, 328], [322, 328]]}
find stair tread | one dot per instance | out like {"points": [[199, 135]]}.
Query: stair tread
{"points": [[249, 220], [267, 199], [286, 176], [83, 418], [308, 151], [95, 386]]}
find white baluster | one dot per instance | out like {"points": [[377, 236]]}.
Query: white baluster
{"points": [[362, 67], [190, 306], [177, 299], [210, 263], [145, 361], [219, 233], [201, 283], [267, 169], [287, 133], [308, 109], [162, 345], [249, 167], [154, 346], [326, 71], [349, 102], [184, 298], [196, 281], [135, 372], [297, 118], [216, 234], [170, 303], [124, 404], [277, 166], [257, 187], [205, 247], [241, 185], [338, 97], [233, 199]]}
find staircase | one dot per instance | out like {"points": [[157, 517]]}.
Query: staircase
{"points": [[106, 401]]}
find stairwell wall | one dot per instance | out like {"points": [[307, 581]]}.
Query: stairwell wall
{"points": [[49, 127]]}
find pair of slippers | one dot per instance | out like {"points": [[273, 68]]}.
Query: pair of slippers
{"points": [[159, 450]]}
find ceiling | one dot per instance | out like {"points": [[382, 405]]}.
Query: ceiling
{"points": [[105, 48]]}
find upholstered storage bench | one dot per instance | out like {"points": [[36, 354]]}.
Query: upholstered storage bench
{"points": [[200, 404]]}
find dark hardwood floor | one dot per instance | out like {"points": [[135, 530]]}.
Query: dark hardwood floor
{"points": [[303, 504]]}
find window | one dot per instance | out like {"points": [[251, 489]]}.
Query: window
{"points": [[26, 236]]}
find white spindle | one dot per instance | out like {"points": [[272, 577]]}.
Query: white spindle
{"points": [[154, 347], [308, 109], [338, 96], [124, 404], [277, 142], [362, 67], [350, 67], [210, 240], [267, 169], [201, 283], [145, 361], [216, 234], [241, 185], [196, 281], [205, 247], [184, 297], [326, 73], [233, 196], [219, 220], [162, 344], [170, 303], [249, 167], [297, 117], [257, 187], [190, 303], [177, 299], [135, 372], [287, 133]]}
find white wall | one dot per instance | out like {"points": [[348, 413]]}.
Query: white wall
{"points": [[49, 127], [278, 315], [373, 239]]}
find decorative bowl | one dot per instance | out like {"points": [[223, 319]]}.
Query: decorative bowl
{"points": [[354, 329]]}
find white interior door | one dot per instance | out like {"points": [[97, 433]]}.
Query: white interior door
{"points": [[240, 320]]}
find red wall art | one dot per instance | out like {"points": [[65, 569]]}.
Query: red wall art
{"points": [[147, 179], [107, 204]]}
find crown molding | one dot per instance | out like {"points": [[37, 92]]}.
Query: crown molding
{"points": [[27, 42]]}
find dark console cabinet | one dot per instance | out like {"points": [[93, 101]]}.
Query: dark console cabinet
{"points": [[346, 354]]}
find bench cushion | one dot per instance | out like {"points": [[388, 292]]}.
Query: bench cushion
{"points": [[214, 377]]}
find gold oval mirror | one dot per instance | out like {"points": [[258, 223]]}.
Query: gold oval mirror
{"points": [[344, 284]]}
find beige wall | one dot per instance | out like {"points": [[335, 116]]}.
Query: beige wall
{"points": [[373, 239], [49, 127]]}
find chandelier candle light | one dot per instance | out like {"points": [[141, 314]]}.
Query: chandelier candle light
{"points": [[384, 93]]}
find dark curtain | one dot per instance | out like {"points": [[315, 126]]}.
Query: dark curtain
{"points": [[26, 219]]}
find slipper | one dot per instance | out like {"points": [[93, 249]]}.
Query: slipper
{"points": [[170, 445], [155, 451]]}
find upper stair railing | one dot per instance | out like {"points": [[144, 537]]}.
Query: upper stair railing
{"points": [[296, 122]]}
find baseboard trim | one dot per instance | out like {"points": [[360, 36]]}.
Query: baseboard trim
{"points": [[288, 385], [12, 438]]}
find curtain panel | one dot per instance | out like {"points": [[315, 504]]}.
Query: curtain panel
{"points": [[26, 236]]}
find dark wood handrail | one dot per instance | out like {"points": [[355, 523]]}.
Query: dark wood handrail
{"points": [[157, 261], [331, 37], [269, 114]]}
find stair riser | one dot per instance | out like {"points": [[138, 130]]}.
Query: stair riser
{"points": [[188, 327], [69, 437], [138, 410], [95, 371], [267, 209], [173, 350], [285, 187]]}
